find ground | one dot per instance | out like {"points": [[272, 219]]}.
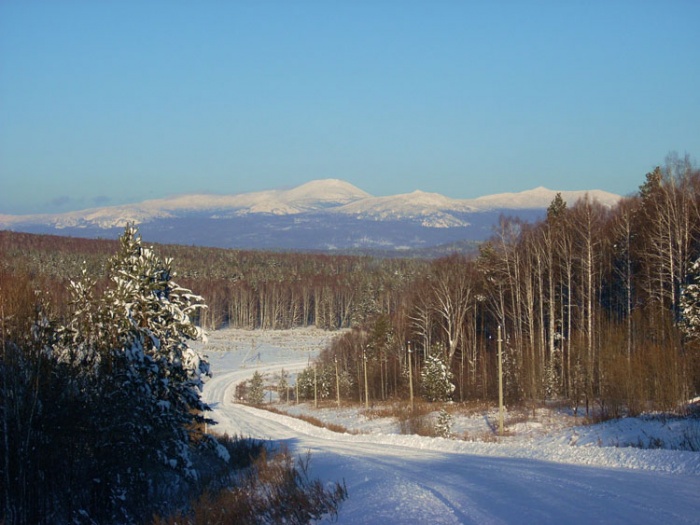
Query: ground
{"points": [[549, 469]]}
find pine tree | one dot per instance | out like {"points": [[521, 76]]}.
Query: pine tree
{"points": [[137, 375], [436, 379], [152, 316], [283, 386], [256, 392], [325, 381], [443, 425], [305, 380], [690, 303]]}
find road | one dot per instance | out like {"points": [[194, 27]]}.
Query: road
{"points": [[394, 484]]}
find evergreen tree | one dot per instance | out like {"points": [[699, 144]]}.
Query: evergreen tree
{"points": [[443, 425], [256, 392], [690, 303], [134, 369], [283, 386], [305, 380], [436, 379], [325, 381], [152, 317]]}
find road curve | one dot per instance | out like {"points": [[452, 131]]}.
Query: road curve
{"points": [[393, 484]]}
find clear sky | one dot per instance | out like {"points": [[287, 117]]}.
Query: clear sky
{"points": [[108, 102]]}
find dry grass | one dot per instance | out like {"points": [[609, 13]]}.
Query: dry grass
{"points": [[273, 490], [417, 421], [382, 411], [398, 410], [333, 427], [423, 418], [485, 436], [311, 420]]}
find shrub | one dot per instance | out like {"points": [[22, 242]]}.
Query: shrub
{"points": [[274, 490]]}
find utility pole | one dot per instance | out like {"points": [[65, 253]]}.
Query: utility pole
{"points": [[287, 393], [315, 389], [410, 373], [364, 362], [337, 381], [500, 384]]}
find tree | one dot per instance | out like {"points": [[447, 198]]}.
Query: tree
{"points": [[283, 386], [145, 379], [670, 228], [256, 392], [113, 388], [451, 286], [588, 218], [443, 425], [690, 303], [552, 237], [436, 379]]}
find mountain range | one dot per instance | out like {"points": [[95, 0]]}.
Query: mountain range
{"points": [[325, 215]]}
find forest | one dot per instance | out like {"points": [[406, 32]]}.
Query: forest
{"points": [[596, 305], [597, 308], [101, 416]]}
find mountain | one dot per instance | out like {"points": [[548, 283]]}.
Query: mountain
{"points": [[540, 198], [432, 210], [309, 197], [330, 214]]}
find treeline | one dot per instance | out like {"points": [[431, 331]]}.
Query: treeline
{"points": [[243, 289], [595, 305]]}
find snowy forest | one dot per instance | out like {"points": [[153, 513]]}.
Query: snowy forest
{"points": [[101, 413], [597, 307]]}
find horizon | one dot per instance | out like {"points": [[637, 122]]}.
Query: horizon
{"points": [[115, 103], [282, 189]]}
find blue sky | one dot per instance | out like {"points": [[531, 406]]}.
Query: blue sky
{"points": [[114, 101]]}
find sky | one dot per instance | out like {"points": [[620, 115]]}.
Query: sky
{"points": [[113, 102]]}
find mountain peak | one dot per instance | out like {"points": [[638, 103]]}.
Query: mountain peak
{"points": [[320, 202], [327, 191], [541, 197]]}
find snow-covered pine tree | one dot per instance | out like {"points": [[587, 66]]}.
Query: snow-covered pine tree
{"points": [[436, 379], [136, 377], [325, 381], [552, 375], [305, 380], [283, 386], [81, 335], [690, 303], [256, 391], [152, 319], [443, 425]]}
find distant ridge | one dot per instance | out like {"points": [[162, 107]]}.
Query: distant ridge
{"points": [[328, 214], [541, 197]]}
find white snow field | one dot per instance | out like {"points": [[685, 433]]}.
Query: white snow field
{"points": [[562, 477]]}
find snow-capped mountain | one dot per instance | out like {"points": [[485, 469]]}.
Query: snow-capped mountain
{"points": [[312, 196], [540, 198], [432, 210], [321, 214]]}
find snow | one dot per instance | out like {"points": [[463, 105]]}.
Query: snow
{"points": [[431, 209], [541, 197], [328, 195], [550, 469]]}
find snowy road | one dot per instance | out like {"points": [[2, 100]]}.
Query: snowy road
{"points": [[401, 479]]}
